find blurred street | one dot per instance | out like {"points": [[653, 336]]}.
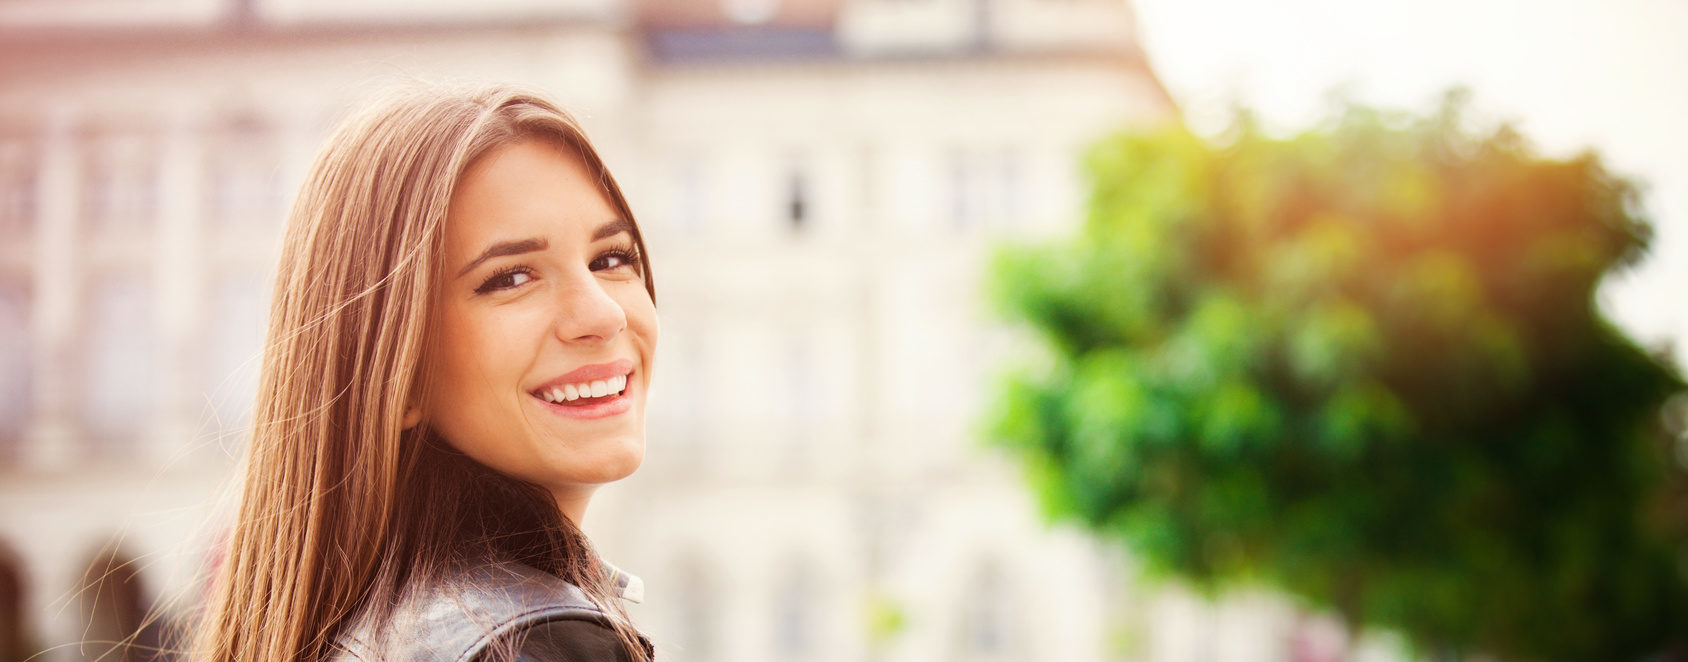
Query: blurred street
{"points": [[821, 183]]}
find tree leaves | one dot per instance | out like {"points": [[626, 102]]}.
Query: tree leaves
{"points": [[1361, 364]]}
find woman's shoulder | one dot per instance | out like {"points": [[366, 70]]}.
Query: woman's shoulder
{"points": [[471, 611]]}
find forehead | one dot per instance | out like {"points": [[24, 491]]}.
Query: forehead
{"points": [[530, 188]]}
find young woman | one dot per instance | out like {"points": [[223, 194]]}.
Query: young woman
{"points": [[458, 354]]}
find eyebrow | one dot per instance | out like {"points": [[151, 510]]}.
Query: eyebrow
{"points": [[520, 246], [612, 229], [504, 248]]}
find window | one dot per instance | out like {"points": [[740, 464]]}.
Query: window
{"points": [[964, 201], [234, 343], [19, 172], [987, 618], [1009, 187], [119, 181], [117, 380], [803, 407], [796, 597], [241, 159], [14, 365], [797, 210], [868, 164], [984, 188]]}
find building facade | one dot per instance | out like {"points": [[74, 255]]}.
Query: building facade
{"points": [[819, 182]]}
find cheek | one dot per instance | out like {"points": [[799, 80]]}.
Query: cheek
{"points": [[643, 325], [460, 368], [475, 369], [487, 345], [649, 330], [641, 318], [449, 370]]}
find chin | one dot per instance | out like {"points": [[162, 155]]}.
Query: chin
{"points": [[617, 462], [635, 456]]}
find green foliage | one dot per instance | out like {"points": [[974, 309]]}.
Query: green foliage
{"points": [[1361, 364]]}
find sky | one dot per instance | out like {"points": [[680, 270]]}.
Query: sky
{"points": [[1611, 75]]}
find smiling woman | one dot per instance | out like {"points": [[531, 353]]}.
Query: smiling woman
{"points": [[458, 355], [535, 329]]}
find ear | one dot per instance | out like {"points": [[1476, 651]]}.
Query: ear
{"points": [[412, 416]]}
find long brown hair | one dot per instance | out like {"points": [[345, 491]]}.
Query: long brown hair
{"points": [[342, 507]]}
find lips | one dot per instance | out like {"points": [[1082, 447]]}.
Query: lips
{"points": [[590, 391]]}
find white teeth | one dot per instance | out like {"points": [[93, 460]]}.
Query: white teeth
{"points": [[594, 389]]}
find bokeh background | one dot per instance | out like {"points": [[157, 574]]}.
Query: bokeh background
{"points": [[821, 183]]}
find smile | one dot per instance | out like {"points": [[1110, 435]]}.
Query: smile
{"points": [[585, 392], [589, 392]]}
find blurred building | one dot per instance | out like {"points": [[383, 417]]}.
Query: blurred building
{"points": [[819, 181]]}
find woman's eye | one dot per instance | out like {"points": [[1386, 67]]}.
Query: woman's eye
{"points": [[505, 280], [614, 260]]}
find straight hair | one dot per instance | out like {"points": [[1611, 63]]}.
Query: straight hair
{"points": [[343, 509]]}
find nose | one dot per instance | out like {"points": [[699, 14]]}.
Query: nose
{"points": [[587, 313]]}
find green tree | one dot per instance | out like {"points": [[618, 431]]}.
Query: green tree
{"points": [[1363, 365]]}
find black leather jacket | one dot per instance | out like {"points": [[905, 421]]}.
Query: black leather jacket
{"points": [[473, 613]]}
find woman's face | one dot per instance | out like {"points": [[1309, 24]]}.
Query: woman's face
{"points": [[543, 333]]}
